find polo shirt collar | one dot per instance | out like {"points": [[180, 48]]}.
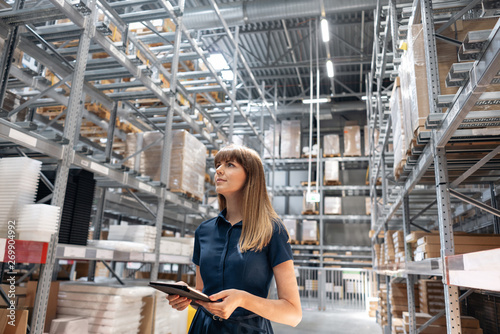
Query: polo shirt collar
{"points": [[222, 218]]}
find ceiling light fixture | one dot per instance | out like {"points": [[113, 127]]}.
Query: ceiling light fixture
{"points": [[329, 68], [325, 31], [320, 100]]}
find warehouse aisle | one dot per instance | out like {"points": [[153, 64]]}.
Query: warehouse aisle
{"points": [[332, 322]]}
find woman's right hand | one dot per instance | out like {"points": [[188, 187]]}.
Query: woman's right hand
{"points": [[177, 302]]}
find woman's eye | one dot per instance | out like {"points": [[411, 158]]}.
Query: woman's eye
{"points": [[230, 164]]}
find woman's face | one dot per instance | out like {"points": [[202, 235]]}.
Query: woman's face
{"points": [[230, 177]]}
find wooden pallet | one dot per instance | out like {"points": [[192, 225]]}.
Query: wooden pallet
{"points": [[186, 194], [309, 242], [307, 156], [331, 155], [309, 212], [304, 183], [294, 242], [332, 183], [352, 156]]}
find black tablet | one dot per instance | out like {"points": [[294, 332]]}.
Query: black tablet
{"points": [[180, 289]]}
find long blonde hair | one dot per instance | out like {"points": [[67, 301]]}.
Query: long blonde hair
{"points": [[258, 213]]}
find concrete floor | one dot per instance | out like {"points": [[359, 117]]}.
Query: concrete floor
{"points": [[332, 322]]}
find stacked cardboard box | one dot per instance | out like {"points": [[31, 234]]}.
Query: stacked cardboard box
{"points": [[398, 296], [333, 205], [331, 177], [372, 306], [368, 205], [309, 230], [290, 139], [331, 146], [379, 259], [135, 233], [431, 296], [270, 138], [397, 326], [291, 226], [389, 248], [352, 141], [469, 325], [188, 160], [428, 246], [399, 246], [382, 315], [309, 208]]}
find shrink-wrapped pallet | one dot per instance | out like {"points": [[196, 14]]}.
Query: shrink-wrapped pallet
{"points": [[332, 172], [291, 226], [333, 205], [271, 137], [309, 230], [331, 146], [368, 205], [290, 139], [308, 207], [396, 106], [368, 139], [187, 165], [352, 141], [187, 160]]}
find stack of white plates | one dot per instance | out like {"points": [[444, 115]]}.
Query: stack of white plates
{"points": [[37, 222], [19, 182]]}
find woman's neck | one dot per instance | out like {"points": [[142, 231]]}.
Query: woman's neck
{"points": [[234, 212]]}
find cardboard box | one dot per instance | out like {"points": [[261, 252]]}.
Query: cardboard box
{"points": [[290, 139], [291, 226], [333, 205], [331, 146], [269, 140], [20, 322], [331, 172], [309, 230], [352, 141]]}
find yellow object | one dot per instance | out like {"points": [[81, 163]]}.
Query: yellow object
{"points": [[191, 313], [403, 46]]}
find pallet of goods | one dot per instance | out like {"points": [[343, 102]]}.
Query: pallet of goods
{"points": [[291, 227], [398, 296], [382, 306], [399, 246], [333, 205], [331, 146], [352, 141], [290, 139], [332, 176], [389, 248], [310, 232], [429, 246]]}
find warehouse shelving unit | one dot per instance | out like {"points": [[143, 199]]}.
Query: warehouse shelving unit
{"points": [[315, 254], [456, 270]]}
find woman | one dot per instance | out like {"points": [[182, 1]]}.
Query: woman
{"points": [[237, 253]]}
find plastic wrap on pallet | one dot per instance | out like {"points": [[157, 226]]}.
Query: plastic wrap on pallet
{"points": [[290, 139], [309, 230], [291, 226], [368, 205], [419, 90], [331, 145], [188, 159], [308, 206], [269, 140], [396, 106], [352, 141], [188, 162], [332, 171], [333, 205]]}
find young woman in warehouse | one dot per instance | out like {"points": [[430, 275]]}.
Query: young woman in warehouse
{"points": [[237, 253]]}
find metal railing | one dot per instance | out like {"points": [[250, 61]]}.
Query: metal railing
{"points": [[333, 288]]}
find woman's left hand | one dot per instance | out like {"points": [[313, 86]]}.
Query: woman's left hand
{"points": [[230, 300]]}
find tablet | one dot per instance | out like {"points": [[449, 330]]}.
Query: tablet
{"points": [[180, 289]]}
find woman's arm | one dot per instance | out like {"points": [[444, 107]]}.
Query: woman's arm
{"points": [[180, 303], [286, 309]]}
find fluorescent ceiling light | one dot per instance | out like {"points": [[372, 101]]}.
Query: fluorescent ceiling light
{"points": [[320, 100], [325, 31], [227, 75], [329, 68], [217, 61]]}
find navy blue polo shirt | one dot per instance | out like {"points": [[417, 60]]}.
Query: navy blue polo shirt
{"points": [[223, 266]]}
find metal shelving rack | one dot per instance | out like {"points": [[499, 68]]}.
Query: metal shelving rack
{"points": [[64, 145], [289, 164], [457, 271]]}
